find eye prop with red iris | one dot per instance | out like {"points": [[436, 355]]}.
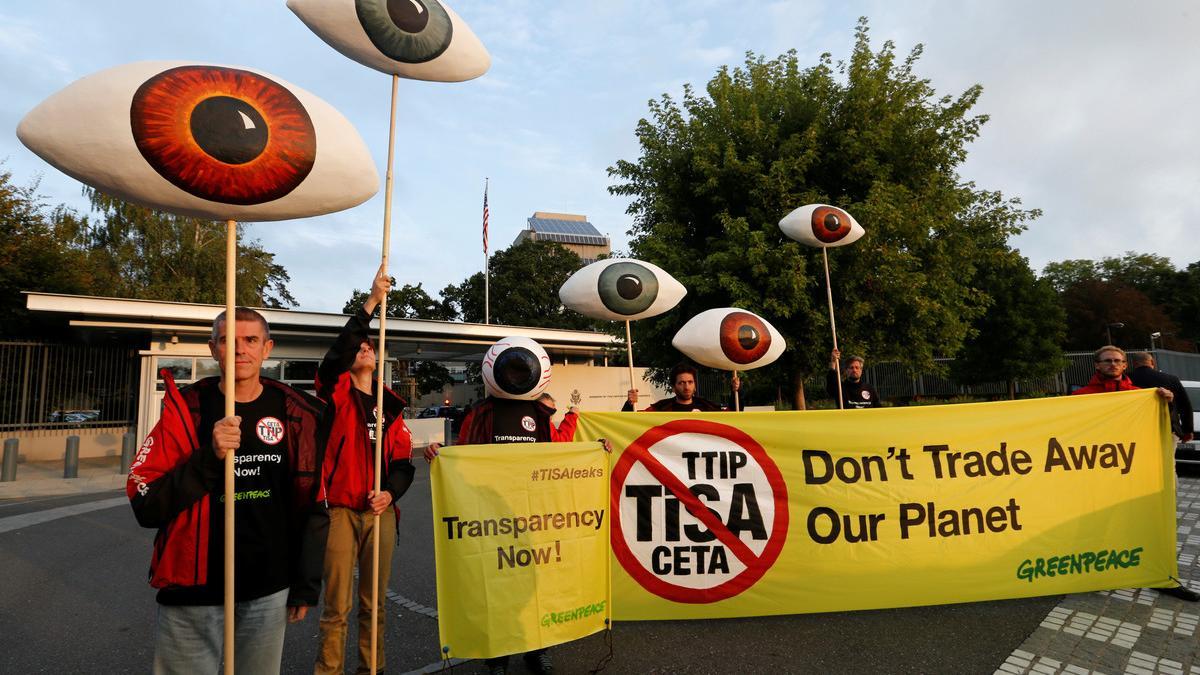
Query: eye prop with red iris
{"points": [[203, 140], [223, 134], [821, 225], [729, 338]]}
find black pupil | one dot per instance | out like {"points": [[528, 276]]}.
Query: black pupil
{"points": [[629, 286], [747, 337], [410, 16], [229, 129], [832, 222], [517, 370]]}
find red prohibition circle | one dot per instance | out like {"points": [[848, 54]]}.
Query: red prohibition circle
{"points": [[638, 452]]}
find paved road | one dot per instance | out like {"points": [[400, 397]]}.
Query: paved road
{"points": [[74, 599]]}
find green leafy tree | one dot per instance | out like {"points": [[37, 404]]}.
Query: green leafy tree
{"points": [[137, 252], [1094, 305], [406, 302], [1020, 335], [524, 284], [719, 169], [431, 376], [36, 253]]}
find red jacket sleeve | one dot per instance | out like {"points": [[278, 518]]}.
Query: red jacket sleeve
{"points": [[565, 432]]}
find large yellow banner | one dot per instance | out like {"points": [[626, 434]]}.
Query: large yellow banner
{"points": [[521, 541], [743, 514]]}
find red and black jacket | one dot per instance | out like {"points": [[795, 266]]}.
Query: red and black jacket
{"points": [[172, 479], [1100, 385], [477, 425], [565, 431], [349, 468]]}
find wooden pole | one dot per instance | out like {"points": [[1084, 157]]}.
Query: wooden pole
{"points": [[629, 351], [380, 360], [230, 410], [837, 363]]}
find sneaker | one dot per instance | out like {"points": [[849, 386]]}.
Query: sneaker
{"points": [[1181, 592], [539, 662]]}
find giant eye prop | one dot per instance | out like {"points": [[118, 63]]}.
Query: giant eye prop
{"points": [[413, 39], [210, 142], [825, 227], [621, 289], [729, 338]]}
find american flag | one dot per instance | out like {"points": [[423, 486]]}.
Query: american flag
{"points": [[485, 218]]}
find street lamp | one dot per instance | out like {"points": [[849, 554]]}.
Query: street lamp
{"points": [[1156, 335], [1108, 329]]}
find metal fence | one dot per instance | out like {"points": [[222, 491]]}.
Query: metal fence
{"points": [[56, 386]]}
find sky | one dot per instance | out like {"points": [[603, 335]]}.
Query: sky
{"points": [[1091, 104]]}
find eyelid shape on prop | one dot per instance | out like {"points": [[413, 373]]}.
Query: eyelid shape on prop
{"points": [[517, 368], [621, 289], [202, 140], [729, 338], [822, 226], [415, 39]]}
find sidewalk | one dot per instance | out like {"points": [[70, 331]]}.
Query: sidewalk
{"points": [[44, 479]]}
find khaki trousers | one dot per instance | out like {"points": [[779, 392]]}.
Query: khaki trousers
{"points": [[350, 543]]}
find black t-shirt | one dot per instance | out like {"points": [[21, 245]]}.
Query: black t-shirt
{"points": [[261, 517], [369, 415], [514, 421]]}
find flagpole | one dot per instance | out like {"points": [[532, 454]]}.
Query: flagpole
{"points": [[230, 411], [486, 274]]}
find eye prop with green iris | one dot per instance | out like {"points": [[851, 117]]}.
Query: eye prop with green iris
{"points": [[414, 39], [621, 289], [729, 338], [822, 226]]}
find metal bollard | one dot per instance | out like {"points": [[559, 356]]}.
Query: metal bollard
{"points": [[9, 472], [127, 447], [71, 461], [449, 432]]}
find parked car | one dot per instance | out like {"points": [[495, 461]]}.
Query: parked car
{"points": [[74, 416], [454, 413], [1189, 453]]}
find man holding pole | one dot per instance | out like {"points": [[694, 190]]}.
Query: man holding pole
{"points": [[175, 485], [344, 381], [683, 384], [855, 393]]}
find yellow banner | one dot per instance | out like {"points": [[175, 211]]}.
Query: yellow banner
{"points": [[521, 540], [745, 514]]}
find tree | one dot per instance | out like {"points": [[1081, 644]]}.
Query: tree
{"points": [[137, 252], [718, 171], [1093, 305], [1020, 335], [406, 302], [35, 253], [524, 284]]}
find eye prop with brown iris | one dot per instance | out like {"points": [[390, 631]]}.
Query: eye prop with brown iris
{"points": [[744, 337], [223, 134], [729, 338], [821, 225]]}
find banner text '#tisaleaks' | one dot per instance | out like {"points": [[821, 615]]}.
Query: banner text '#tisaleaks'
{"points": [[457, 528]]}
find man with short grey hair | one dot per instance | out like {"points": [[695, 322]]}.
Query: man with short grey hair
{"points": [[1145, 375]]}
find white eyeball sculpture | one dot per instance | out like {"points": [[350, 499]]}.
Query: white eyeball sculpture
{"points": [[822, 226], [729, 338], [516, 368], [621, 289]]}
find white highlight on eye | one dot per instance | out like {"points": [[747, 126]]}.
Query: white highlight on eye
{"points": [[247, 123]]}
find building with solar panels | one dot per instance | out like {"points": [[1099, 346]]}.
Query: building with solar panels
{"points": [[572, 232]]}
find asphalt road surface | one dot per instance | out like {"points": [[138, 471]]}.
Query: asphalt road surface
{"points": [[74, 599]]}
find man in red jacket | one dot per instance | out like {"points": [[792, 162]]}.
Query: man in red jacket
{"points": [[1109, 377], [345, 381], [176, 485]]}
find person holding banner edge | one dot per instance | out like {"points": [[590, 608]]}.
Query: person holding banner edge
{"points": [[345, 382], [683, 383], [175, 484], [856, 394], [1109, 377]]}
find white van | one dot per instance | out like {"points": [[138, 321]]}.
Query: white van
{"points": [[1189, 453]]}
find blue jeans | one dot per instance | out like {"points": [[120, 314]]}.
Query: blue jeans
{"points": [[189, 638]]}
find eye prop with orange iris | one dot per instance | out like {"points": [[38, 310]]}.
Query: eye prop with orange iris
{"points": [[729, 338], [203, 140], [821, 225], [413, 39]]}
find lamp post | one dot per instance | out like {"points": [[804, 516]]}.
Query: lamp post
{"points": [[1108, 329], [1156, 335]]}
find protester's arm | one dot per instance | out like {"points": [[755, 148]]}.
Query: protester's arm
{"points": [[1184, 405], [831, 383], [565, 432], [342, 353], [305, 588], [159, 493], [875, 402], [631, 399]]}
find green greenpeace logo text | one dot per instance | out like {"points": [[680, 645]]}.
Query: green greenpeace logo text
{"points": [[1085, 562], [572, 614]]}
